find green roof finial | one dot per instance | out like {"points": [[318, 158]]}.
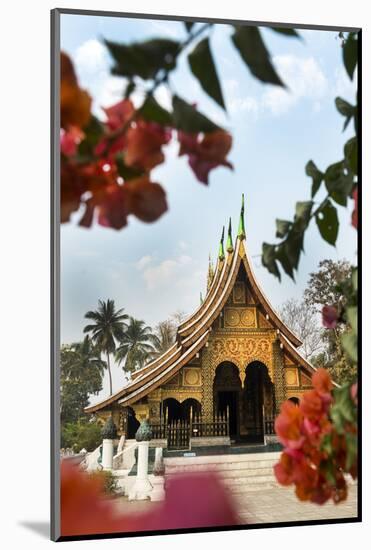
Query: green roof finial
{"points": [[241, 226], [221, 247], [229, 238]]}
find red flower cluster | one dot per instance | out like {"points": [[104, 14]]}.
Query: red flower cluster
{"points": [[114, 180], [191, 501], [330, 316], [316, 470], [205, 151]]}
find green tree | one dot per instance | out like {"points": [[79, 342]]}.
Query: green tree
{"points": [[135, 345], [107, 329], [330, 286], [324, 286], [81, 435], [81, 371]]}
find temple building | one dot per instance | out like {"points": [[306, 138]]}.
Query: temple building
{"points": [[233, 363]]}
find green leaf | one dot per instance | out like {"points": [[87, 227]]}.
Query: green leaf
{"points": [[350, 54], [302, 214], [126, 172], [129, 89], [326, 444], [143, 59], [151, 110], [189, 25], [352, 449], [344, 409], [352, 317], [93, 133], [328, 223], [286, 31], [281, 256], [328, 469], [203, 67], [345, 109], [282, 228], [293, 247], [188, 119], [350, 344], [338, 183], [250, 45], [351, 154], [269, 259], [312, 171]]}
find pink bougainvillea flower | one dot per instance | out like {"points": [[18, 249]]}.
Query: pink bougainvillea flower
{"points": [[198, 500], [144, 145], [75, 103], [322, 382], [205, 151], [288, 425], [70, 140], [329, 316], [146, 199], [119, 114]]}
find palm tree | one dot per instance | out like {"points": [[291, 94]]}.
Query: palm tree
{"points": [[108, 328], [135, 345], [163, 338]]}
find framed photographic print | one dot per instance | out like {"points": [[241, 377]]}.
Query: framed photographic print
{"points": [[205, 190]]}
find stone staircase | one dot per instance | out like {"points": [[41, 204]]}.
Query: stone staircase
{"points": [[241, 473]]}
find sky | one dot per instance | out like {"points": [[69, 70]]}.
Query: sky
{"points": [[153, 270]]}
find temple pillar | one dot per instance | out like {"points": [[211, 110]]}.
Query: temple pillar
{"points": [[278, 375], [142, 486], [207, 399], [154, 404]]}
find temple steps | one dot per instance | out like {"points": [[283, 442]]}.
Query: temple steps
{"points": [[240, 473]]}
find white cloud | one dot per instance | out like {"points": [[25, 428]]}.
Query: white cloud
{"points": [[303, 77], [344, 87], [168, 272], [183, 245], [91, 57], [143, 262]]}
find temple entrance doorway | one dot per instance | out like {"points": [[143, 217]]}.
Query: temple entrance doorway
{"points": [[173, 410], [132, 423], [257, 402], [227, 390]]}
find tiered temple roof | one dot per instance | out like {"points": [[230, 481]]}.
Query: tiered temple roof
{"points": [[193, 333]]}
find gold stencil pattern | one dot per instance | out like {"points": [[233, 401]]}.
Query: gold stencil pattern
{"points": [[240, 317], [191, 377]]}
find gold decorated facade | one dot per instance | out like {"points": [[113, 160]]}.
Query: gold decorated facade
{"points": [[232, 354]]}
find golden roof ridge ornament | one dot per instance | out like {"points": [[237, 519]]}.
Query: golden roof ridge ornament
{"points": [[241, 225], [221, 254], [229, 238]]}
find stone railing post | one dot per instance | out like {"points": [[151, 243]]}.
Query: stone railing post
{"points": [[142, 486], [109, 433]]}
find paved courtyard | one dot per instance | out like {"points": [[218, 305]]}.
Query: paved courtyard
{"points": [[280, 504], [273, 505]]}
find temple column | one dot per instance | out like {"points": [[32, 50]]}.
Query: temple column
{"points": [[154, 403], [278, 376], [207, 399]]}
